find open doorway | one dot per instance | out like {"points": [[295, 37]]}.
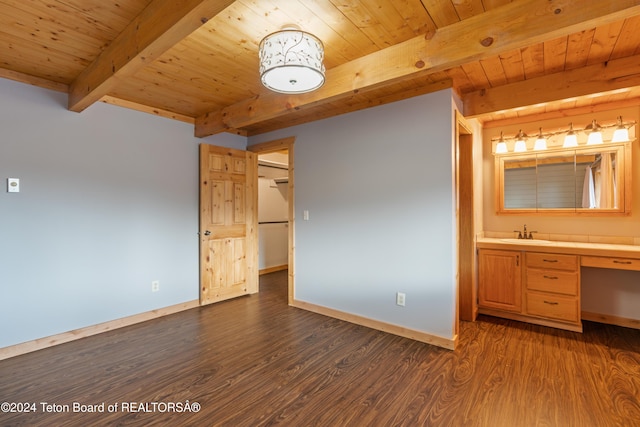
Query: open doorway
{"points": [[273, 212], [272, 153]]}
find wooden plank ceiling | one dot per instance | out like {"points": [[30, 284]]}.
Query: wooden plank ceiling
{"points": [[197, 60]]}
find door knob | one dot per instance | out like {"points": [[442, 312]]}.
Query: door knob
{"points": [[207, 233]]}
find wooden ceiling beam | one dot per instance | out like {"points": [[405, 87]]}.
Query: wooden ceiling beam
{"points": [[563, 113], [161, 25], [33, 80], [355, 102], [608, 76], [512, 26], [112, 100]]}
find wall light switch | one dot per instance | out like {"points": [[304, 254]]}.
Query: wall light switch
{"points": [[13, 185], [401, 297], [305, 215]]}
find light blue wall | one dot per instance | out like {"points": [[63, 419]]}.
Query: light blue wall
{"points": [[108, 203], [379, 188]]}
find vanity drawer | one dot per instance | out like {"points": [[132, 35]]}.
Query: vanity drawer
{"points": [[557, 281], [554, 261], [606, 262], [553, 307]]}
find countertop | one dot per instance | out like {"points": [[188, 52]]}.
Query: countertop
{"points": [[561, 247]]}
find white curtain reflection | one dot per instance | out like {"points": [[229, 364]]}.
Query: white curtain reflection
{"points": [[589, 190], [605, 182]]}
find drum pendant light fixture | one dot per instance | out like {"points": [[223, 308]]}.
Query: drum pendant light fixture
{"points": [[291, 61]]}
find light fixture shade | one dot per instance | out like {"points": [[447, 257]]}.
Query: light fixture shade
{"points": [[521, 145], [595, 133], [291, 61], [501, 146], [595, 138], [541, 142], [621, 134], [571, 139]]}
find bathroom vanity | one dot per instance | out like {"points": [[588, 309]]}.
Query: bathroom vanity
{"points": [[538, 281]]}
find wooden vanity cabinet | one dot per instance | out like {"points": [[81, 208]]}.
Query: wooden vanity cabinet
{"points": [[500, 280], [532, 287], [553, 287], [540, 281]]}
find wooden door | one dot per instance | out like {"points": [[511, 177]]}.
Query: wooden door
{"points": [[228, 223], [500, 280]]}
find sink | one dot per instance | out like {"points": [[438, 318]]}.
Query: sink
{"points": [[527, 241]]}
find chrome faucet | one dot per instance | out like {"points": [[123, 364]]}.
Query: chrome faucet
{"points": [[523, 234]]}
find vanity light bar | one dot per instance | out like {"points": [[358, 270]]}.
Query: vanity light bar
{"points": [[593, 130]]}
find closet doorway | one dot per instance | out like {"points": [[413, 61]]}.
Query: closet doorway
{"points": [[276, 208], [273, 212]]}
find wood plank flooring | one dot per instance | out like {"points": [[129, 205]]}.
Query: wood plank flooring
{"points": [[254, 361]]}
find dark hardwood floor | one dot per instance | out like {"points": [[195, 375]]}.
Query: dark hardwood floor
{"points": [[255, 361]]}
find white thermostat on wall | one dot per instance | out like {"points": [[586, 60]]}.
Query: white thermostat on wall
{"points": [[13, 185]]}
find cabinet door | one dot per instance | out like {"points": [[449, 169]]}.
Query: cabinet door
{"points": [[500, 280]]}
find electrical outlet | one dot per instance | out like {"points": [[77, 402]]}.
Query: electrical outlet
{"points": [[400, 298], [155, 286], [13, 185]]}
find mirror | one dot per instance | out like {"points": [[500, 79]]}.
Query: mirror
{"points": [[588, 181]]}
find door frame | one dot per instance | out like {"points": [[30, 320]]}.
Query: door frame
{"points": [[270, 147], [467, 308]]}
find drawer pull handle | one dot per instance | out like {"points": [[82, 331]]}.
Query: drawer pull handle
{"points": [[551, 277], [615, 261], [551, 302], [549, 260]]}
